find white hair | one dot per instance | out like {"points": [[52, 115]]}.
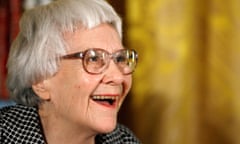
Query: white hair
{"points": [[34, 55]]}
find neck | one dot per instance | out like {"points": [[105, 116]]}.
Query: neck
{"points": [[61, 131]]}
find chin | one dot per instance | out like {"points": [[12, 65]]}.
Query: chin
{"points": [[107, 126]]}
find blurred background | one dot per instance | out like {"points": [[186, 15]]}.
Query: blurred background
{"points": [[186, 86]]}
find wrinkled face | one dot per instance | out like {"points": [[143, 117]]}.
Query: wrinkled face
{"points": [[89, 101]]}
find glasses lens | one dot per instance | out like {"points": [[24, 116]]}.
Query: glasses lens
{"points": [[126, 60], [95, 61]]}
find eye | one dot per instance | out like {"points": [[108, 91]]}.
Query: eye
{"points": [[120, 59], [93, 58]]}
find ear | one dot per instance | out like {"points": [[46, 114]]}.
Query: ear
{"points": [[41, 90]]}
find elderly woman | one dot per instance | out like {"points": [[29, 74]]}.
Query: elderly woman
{"points": [[69, 73]]}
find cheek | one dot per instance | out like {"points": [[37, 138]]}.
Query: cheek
{"points": [[127, 84], [73, 95], [87, 82]]}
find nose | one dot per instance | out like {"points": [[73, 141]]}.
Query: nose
{"points": [[113, 75]]}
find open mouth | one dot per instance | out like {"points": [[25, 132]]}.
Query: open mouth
{"points": [[105, 100]]}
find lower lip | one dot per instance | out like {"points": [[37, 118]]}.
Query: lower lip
{"points": [[107, 104]]}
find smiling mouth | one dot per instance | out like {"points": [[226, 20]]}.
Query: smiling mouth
{"points": [[105, 100]]}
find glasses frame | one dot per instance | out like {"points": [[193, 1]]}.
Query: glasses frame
{"points": [[81, 55]]}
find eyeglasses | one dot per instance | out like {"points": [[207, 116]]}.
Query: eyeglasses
{"points": [[96, 60]]}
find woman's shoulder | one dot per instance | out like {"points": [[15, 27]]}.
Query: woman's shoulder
{"points": [[120, 135], [16, 114], [17, 111], [17, 123]]}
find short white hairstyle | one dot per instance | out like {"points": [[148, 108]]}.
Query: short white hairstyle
{"points": [[34, 54]]}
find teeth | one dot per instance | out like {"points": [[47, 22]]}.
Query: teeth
{"points": [[109, 99], [104, 97]]}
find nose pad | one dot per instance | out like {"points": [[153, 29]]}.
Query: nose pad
{"points": [[113, 74]]}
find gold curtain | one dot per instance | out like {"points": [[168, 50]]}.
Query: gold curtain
{"points": [[186, 87]]}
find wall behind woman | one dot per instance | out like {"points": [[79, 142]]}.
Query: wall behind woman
{"points": [[186, 85]]}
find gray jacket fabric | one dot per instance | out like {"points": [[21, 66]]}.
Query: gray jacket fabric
{"points": [[21, 125]]}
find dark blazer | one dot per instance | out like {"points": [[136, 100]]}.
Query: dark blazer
{"points": [[21, 125]]}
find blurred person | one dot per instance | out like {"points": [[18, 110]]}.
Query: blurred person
{"points": [[68, 74]]}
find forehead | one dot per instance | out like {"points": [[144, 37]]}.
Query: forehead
{"points": [[103, 36]]}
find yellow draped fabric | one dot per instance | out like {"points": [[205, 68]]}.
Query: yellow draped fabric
{"points": [[186, 88]]}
